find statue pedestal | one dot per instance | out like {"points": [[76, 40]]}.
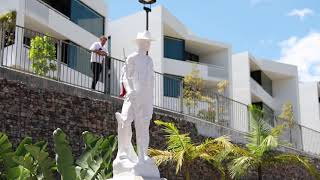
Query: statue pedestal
{"points": [[135, 178], [127, 170]]}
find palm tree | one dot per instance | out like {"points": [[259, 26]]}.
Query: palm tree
{"points": [[183, 152], [262, 139]]}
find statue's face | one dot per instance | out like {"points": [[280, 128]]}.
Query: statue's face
{"points": [[143, 45]]}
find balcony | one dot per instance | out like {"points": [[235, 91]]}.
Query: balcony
{"points": [[43, 18], [183, 68], [260, 93]]}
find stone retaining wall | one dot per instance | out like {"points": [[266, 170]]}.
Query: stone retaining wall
{"points": [[27, 110]]}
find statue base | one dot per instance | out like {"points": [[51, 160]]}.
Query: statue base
{"points": [[135, 178]]}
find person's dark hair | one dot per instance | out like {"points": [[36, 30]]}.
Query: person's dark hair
{"points": [[103, 37]]}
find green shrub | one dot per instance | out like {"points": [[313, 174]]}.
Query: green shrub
{"points": [[42, 55], [32, 162]]}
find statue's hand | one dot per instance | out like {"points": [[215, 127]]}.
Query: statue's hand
{"points": [[120, 120], [131, 95]]}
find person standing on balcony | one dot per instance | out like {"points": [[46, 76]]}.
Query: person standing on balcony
{"points": [[98, 56]]}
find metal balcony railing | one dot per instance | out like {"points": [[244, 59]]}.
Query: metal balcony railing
{"points": [[74, 68]]}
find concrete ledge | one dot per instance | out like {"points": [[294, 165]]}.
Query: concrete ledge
{"points": [[38, 82], [136, 178]]}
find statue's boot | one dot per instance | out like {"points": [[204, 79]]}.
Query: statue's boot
{"points": [[146, 166], [126, 158]]}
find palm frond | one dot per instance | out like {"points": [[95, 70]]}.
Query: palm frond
{"points": [[179, 157], [176, 141], [161, 157], [259, 128], [240, 166], [224, 142], [278, 130], [298, 160]]}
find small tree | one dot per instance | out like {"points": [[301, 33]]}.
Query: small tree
{"points": [[262, 140], [7, 27], [42, 54], [287, 115], [183, 152], [193, 87], [222, 85]]}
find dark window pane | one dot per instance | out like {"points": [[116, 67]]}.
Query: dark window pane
{"points": [[174, 48], [172, 86], [80, 14], [76, 58], [62, 6], [261, 78], [87, 18]]}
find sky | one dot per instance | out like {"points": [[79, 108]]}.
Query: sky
{"points": [[287, 31]]}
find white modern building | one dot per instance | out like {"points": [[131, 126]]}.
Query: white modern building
{"points": [[78, 23], [310, 115], [265, 83], [175, 51], [310, 104]]}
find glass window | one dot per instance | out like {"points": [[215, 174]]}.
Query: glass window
{"points": [[262, 79], [191, 57], [80, 14], [172, 86], [87, 18], [76, 58], [62, 6], [174, 48]]}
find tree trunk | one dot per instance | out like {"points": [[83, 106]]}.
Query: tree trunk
{"points": [[259, 172], [187, 172]]}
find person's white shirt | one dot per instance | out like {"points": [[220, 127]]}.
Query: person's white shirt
{"points": [[94, 56]]}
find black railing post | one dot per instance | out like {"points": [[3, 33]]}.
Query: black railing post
{"points": [[2, 33], [59, 56], [181, 96], [106, 74], [218, 109]]}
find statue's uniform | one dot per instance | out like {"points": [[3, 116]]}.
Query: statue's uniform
{"points": [[138, 79]]}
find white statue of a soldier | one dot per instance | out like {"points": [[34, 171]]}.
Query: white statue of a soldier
{"points": [[137, 80]]}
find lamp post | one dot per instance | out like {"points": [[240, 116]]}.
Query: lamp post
{"points": [[147, 9]]}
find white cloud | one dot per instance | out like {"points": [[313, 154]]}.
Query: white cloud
{"points": [[305, 53], [301, 13]]}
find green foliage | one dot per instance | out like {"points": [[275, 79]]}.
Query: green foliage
{"points": [[32, 162], [7, 27], [222, 85], [262, 139], [209, 114], [64, 157], [42, 55], [93, 164], [183, 152], [29, 161], [193, 86], [9, 19], [287, 115]]}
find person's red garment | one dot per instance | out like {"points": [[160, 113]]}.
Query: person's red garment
{"points": [[123, 91]]}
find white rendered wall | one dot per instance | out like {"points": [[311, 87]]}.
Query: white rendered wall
{"points": [[219, 58], [309, 105], [124, 31], [241, 90], [286, 90]]}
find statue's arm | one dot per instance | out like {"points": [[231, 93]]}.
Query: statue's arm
{"points": [[129, 73]]}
